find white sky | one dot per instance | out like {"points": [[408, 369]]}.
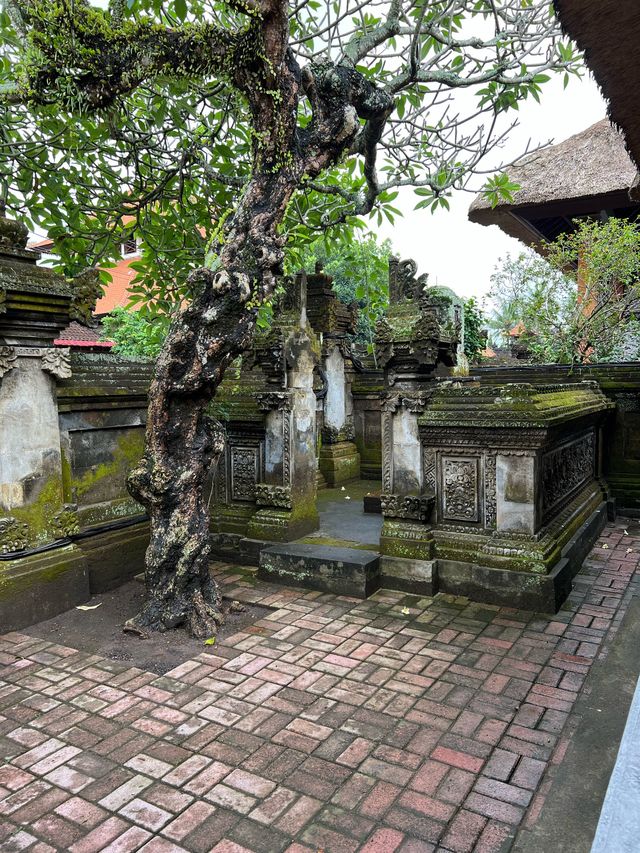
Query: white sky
{"points": [[460, 254]]}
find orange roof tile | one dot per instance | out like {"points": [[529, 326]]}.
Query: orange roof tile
{"points": [[117, 292]]}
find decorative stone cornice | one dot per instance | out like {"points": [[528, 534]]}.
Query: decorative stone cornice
{"points": [[409, 507], [269, 400]]}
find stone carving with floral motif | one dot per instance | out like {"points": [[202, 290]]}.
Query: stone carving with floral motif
{"points": [[14, 535], [7, 360], [57, 362], [65, 523], [276, 496]]}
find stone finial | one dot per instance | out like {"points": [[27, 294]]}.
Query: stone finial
{"points": [[86, 292], [404, 283], [13, 234]]}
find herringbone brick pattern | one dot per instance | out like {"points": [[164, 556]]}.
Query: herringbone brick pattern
{"points": [[395, 724]]}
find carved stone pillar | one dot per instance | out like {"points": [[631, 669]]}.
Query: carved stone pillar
{"points": [[339, 459], [334, 321], [406, 540], [286, 499]]}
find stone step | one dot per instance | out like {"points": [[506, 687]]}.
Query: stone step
{"points": [[343, 571]]}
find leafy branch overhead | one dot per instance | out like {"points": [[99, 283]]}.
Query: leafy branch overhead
{"points": [[156, 112]]}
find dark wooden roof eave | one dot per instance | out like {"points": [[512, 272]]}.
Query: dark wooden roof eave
{"points": [[608, 31]]}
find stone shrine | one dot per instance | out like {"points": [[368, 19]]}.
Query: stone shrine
{"points": [[494, 492]]}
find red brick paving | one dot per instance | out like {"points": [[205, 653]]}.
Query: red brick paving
{"points": [[331, 724]]}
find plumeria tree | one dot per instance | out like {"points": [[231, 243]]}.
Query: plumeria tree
{"points": [[222, 131]]}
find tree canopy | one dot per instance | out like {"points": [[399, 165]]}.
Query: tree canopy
{"points": [[137, 116]]}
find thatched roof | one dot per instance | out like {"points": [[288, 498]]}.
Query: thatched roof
{"points": [[583, 175], [608, 31]]}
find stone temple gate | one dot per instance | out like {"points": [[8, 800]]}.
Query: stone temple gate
{"points": [[492, 485]]}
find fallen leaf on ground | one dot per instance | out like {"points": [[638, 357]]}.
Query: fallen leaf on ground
{"points": [[88, 606], [130, 628], [406, 611], [210, 641]]}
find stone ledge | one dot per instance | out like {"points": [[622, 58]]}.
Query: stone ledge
{"points": [[38, 586], [342, 571]]}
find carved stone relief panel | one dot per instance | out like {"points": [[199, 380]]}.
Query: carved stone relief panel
{"points": [[245, 467], [460, 489], [429, 466], [490, 504], [566, 468]]}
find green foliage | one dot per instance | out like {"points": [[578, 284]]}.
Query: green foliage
{"points": [[169, 152], [475, 324], [136, 334], [579, 304]]}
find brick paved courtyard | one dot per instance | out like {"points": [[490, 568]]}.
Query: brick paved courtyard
{"points": [[394, 724]]}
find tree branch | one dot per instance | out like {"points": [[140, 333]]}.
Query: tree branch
{"points": [[86, 58]]}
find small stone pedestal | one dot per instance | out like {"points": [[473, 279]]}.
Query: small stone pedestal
{"points": [[339, 462]]}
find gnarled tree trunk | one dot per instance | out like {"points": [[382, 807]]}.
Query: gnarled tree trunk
{"points": [[182, 443]]}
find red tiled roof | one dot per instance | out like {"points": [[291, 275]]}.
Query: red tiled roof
{"points": [[77, 335]]}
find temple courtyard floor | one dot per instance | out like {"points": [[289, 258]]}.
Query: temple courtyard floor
{"points": [[325, 723]]}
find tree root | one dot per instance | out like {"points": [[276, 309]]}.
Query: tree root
{"points": [[202, 619]]}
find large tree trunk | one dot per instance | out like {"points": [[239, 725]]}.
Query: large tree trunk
{"points": [[182, 442]]}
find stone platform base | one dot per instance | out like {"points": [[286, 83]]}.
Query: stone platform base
{"points": [[343, 571], [41, 585], [544, 593], [339, 463], [419, 577], [282, 525]]}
